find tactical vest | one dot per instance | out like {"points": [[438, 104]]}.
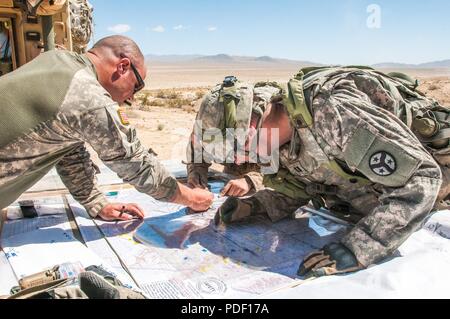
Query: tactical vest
{"points": [[300, 93]]}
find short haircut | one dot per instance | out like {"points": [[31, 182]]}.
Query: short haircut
{"points": [[120, 46], [277, 111]]}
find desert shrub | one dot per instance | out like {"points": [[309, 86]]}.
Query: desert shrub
{"points": [[132, 114], [159, 103], [433, 87], [188, 108], [173, 95], [161, 127], [145, 99], [160, 94], [178, 103], [199, 94], [145, 108]]}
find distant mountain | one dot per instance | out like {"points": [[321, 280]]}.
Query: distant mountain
{"points": [[219, 58], [438, 64], [170, 58], [226, 59], [392, 65], [430, 65], [265, 59], [222, 59]]}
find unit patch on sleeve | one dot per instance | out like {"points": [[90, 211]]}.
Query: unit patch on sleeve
{"points": [[383, 164]]}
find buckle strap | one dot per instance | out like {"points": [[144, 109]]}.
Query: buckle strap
{"points": [[321, 189], [443, 117]]}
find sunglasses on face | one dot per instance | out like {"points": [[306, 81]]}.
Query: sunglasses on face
{"points": [[140, 83]]}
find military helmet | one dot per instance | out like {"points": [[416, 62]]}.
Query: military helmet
{"points": [[231, 105]]}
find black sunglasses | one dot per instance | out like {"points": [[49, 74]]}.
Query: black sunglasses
{"points": [[140, 83]]}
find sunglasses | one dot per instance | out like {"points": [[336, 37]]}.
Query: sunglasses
{"points": [[140, 83]]}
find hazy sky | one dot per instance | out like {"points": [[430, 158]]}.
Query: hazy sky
{"points": [[325, 31]]}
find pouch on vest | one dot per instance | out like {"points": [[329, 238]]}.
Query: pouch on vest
{"points": [[433, 127], [40, 291], [230, 98], [295, 103], [285, 183], [379, 159], [237, 101]]}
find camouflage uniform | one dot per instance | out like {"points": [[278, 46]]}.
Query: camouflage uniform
{"points": [[64, 108], [356, 123], [81, 24], [212, 116]]}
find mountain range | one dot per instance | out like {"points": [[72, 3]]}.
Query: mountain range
{"points": [[221, 59], [430, 65], [231, 59]]}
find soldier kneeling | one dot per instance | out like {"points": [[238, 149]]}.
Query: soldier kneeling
{"points": [[353, 141]]}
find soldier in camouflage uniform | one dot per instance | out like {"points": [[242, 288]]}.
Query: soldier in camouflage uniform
{"points": [[54, 105], [346, 147], [248, 103]]}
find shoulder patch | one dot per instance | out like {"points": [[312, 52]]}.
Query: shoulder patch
{"points": [[379, 159], [383, 164], [123, 117]]}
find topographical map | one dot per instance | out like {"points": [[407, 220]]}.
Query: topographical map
{"points": [[172, 254]]}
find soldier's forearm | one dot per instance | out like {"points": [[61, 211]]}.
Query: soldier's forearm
{"points": [[182, 196], [77, 172], [147, 175], [278, 206], [94, 207], [255, 180], [401, 212]]}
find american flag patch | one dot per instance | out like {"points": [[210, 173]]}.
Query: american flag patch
{"points": [[123, 117]]}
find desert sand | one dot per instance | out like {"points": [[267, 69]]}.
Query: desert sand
{"points": [[165, 112]]}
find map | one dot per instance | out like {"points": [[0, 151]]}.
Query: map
{"points": [[174, 254]]}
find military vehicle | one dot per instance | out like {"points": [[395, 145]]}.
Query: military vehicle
{"points": [[29, 27]]}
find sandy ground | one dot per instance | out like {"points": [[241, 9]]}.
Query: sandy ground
{"points": [[166, 130], [190, 76], [187, 75], [438, 88]]}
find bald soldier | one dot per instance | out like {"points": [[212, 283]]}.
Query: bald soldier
{"points": [[367, 146], [55, 105]]}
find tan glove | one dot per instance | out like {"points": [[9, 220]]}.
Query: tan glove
{"points": [[333, 259]]}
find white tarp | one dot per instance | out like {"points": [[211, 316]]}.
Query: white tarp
{"points": [[188, 257], [418, 270]]}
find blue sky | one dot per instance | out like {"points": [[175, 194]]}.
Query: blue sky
{"points": [[326, 31]]}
